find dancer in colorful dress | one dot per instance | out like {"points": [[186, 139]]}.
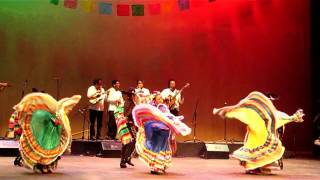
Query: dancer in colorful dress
{"points": [[46, 131], [262, 148], [157, 129], [125, 127], [14, 128], [14, 132]]}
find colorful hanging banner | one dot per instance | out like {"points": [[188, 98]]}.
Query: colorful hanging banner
{"points": [[154, 9], [55, 2], [184, 4], [123, 10], [163, 6], [167, 6], [87, 5], [70, 4], [105, 8], [137, 10]]}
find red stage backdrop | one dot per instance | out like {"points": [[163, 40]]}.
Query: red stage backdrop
{"points": [[225, 49]]}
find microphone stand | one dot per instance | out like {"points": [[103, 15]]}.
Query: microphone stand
{"points": [[25, 85], [194, 123], [58, 86], [225, 128], [83, 112], [225, 140]]}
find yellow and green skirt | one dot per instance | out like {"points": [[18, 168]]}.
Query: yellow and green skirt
{"points": [[46, 132], [262, 146]]}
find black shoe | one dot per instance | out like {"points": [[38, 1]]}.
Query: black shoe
{"points": [[17, 163], [155, 172], [123, 165], [253, 171], [129, 162], [92, 138]]}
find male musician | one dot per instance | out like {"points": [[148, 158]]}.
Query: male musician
{"points": [[115, 100], [171, 94], [140, 90], [96, 108]]}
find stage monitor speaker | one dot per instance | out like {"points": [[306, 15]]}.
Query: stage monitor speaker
{"points": [[9, 147], [110, 149], [189, 149], [85, 147], [215, 151]]}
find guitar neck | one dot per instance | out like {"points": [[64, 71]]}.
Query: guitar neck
{"points": [[176, 94], [179, 91]]}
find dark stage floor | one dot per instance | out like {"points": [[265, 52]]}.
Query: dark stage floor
{"points": [[93, 168]]}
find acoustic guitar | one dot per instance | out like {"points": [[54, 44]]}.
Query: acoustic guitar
{"points": [[171, 100]]}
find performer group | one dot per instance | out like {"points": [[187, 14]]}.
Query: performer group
{"points": [[146, 123], [143, 121]]}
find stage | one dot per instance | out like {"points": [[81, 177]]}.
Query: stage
{"points": [[94, 168]]}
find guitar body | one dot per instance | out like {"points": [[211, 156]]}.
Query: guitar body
{"points": [[97, 98], [171, 101]]}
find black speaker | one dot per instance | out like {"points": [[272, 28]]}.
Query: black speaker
{"points": [[215, 151], [9, 147], [189, 149], [85, 147], [110, 149]]}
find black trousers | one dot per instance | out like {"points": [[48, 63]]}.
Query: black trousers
{"points": [[127, 151], [112, 126], [93, 116]]}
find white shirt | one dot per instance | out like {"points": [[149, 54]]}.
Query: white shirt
{"points": [[112, 98], [142, 92], [167, 92], [99, 106]]}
